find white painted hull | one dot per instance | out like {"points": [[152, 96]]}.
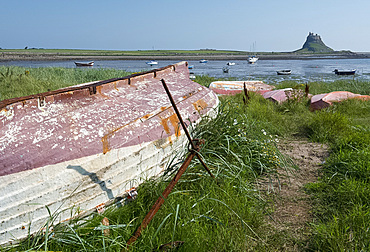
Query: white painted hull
{"points": [[81, 184]]}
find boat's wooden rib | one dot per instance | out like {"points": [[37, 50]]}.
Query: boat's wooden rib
{"points": [[88, 144]]}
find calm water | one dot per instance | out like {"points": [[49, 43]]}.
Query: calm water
{"points": [[302, 70]]}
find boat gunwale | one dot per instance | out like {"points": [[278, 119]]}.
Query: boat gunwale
{"points": [[10, 101]]}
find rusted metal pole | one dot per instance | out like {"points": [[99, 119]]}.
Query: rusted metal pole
{"points": [[246, 98], [161, 198], [184, 126], [195, 144], [177, 113]]}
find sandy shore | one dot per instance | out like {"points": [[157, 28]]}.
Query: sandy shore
{"points": [[5, 56]]}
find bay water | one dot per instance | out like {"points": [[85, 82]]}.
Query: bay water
{"points": [[265, 70]]}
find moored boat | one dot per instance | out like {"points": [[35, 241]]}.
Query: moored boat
{"points": [[77, 148], [230, 63], [152, 62], [234, 87], [203, 61], [91, 63], [345, 72], [252, 59], [284, 72]]}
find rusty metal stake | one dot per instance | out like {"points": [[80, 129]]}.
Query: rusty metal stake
{"points": [[161, 198], [195, 144], [184, 127], [246, 98]]}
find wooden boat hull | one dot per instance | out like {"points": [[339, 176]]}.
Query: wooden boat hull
{"points": [[321, 101], [77, 148], [279, 95], [234, 87]]}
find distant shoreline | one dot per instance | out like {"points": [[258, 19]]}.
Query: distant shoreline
{"points": [[277, 56]]}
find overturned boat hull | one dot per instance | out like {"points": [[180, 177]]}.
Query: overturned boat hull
{"points": [[321, 101], [77, 148], [234, 87]]}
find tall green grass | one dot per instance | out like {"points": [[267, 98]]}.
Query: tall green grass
{"points": [[20, 81], [342, 195], [320, 87]]}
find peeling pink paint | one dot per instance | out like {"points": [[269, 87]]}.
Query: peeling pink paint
{"points": [[87, 120]]}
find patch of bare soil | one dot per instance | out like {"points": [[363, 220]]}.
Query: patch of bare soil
{"points": [[291, 206]]}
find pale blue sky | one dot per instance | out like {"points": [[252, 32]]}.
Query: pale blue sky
{"points": [[270, 25]]}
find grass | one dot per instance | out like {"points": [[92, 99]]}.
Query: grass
{"points": [[342, 195], [19, 81], [319, 87], [229, 213]]}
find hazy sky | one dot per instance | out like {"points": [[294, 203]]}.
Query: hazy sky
{"points": [[262, 25]]}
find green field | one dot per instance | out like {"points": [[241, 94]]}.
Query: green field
{"points": [[242, 147], [77, 52]]}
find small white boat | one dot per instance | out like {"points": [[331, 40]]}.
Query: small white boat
{"points": [[230, 63], [252, 59], [152, 62], [284, 72], [203, 61]]}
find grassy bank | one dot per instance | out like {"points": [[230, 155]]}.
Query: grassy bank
{"points": [[20, 81], [229, 213]]}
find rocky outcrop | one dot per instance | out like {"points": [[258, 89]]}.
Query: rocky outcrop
{"points": [[314, 44]]}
